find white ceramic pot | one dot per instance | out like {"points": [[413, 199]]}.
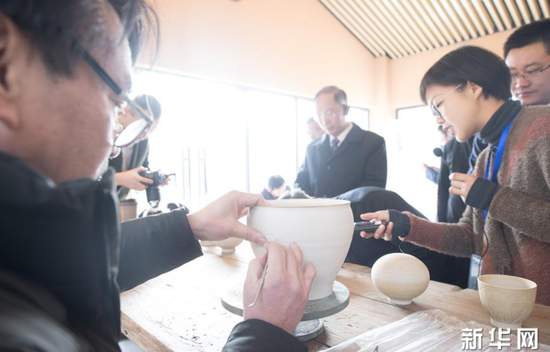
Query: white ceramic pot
{"points": [[508, 299], [322, 228], [401, 277]]}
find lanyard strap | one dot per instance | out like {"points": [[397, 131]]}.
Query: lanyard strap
{"points": [[498, 156]]}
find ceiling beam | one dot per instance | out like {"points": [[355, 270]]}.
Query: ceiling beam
{"points": [[524, 11], [514, 12], [501, 8], [494, 14], [452, 13], [446, 21], [489, 25], [425, 19], [545, 8], [472, 13], [465, 18], [417, 34], [387, 35], [534, 9], [418, 20], [397, 28], [363, 37], [369, 19]]}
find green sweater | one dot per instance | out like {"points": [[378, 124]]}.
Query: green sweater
{"points": [[518, 220]]}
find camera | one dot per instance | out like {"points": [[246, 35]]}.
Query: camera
{"points": [[153, 192]]}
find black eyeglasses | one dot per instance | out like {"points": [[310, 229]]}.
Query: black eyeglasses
{"points": [[134, 130]]}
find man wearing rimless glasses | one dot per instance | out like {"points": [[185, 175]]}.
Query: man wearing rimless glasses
{"points": [[527, 55], [64, 258]]}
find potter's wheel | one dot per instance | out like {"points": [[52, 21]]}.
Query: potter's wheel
{"points": [[311, 324]]}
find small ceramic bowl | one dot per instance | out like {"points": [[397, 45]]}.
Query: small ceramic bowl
{"points": [[508, 299], [401, 277], [227, 246]]}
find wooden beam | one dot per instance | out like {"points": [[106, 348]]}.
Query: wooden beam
{"points": [[494, 14], [534, 9], [489, 25], [416, 33], [396, 27], [372, 14], [445, 20], [452, 13], [363, 37], [512, 8], [465, 18], [472, 13], [545, 8], [524, 11], [424, 17], [418, 20], [501, 8], [369, 20]]}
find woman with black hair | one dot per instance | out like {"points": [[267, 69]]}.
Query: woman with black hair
{"points": [[507, 217]]}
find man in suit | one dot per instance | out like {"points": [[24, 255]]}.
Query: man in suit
{"points": [[135, 158], [346, 157]]}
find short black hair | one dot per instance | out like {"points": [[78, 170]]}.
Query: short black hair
{"points": [[470, 64], [275, 182], [59, 28], [538, 31], [149, 102], [339, 95]]}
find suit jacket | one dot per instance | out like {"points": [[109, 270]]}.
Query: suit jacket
{"points": [[358, 162], [140, 157]]}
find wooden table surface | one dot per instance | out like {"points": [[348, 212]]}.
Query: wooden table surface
{"points": [[181, 310]]}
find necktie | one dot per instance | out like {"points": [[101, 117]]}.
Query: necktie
{"points": [[334, 144]]}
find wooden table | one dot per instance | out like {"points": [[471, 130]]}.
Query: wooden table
{"points": [[181, 310]]}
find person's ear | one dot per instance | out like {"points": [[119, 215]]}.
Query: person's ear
{"points": [[476, 91], [9, 35]]}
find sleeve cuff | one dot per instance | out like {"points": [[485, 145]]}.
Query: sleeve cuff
{"points": [[257, 335], [482, 193], [401, 224]]}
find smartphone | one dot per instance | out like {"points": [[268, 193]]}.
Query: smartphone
{"points": [[369, 226]]}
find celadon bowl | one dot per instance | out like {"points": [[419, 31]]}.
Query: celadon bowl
{"points": [[508, 299]]}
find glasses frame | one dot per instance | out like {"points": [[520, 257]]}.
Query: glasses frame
{"points": [[135, 108], [435, 111], [528, 75]]}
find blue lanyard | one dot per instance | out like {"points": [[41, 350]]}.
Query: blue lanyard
{"points": [[498, 156]]}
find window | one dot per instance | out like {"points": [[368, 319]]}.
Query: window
{"points": [[414, 141], [218, 137]]}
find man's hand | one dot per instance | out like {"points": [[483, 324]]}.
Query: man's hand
{"points": [[132, 179], [284, 295], [461, 184], [220, 219], [382, 232]]}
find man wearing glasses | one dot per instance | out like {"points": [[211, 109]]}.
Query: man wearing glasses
{"points": [[346, 157], [527, 54], [64, 69], [134, 158]]}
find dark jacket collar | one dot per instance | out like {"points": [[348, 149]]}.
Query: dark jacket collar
{"points": [[490, 134], [64, 238]]}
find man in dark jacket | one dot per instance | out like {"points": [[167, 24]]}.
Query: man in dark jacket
{"points": [[346, 157], [64, 67], [135, 158]]}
